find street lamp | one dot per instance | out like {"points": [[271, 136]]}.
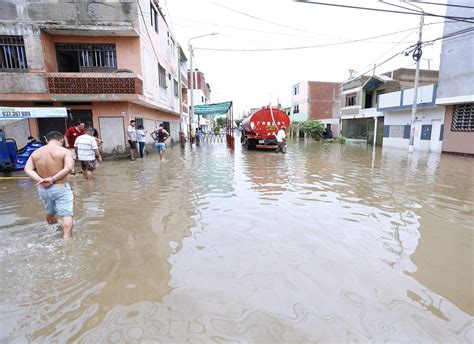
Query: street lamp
{"points": [[191, 49]]}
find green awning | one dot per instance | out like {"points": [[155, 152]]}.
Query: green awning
{"points": [[213, 109]]}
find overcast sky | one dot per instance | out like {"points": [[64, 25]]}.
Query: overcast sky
{"points": [[253, 79]]}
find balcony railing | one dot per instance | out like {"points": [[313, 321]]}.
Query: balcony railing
{"points": [[94, 83]]}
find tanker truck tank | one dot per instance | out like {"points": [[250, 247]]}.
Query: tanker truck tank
{"points": [[259, 130]]}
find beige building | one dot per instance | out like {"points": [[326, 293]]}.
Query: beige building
{"points": [[106, 62]]}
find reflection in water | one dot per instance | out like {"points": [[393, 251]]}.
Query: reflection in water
{"points": [[326, 243]]}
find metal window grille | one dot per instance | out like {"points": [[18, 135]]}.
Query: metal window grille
{"points": [[138, 121], [92, 55], [350, 99], [463, 117], [161, 76], [397, 131], [176, 88], [12, 53]]}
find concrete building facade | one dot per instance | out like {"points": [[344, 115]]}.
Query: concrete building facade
{"points": [[201, 95], [360, 119], [456, 81], [429, 123], [106, 62], [317, 100]]}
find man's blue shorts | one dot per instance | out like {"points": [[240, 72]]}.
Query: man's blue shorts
{"points": [[160, 147], [57, 199]]}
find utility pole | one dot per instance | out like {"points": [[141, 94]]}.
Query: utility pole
{"points": [[191, 50], [180, 98], [191, 102], [417, 57]]}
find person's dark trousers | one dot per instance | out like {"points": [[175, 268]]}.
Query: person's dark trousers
{"points": [[142, 148], [280, 146]]}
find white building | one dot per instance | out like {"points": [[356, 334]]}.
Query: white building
{"points": [[429, 123]]}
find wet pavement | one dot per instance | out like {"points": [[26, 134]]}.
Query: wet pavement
{"points": [[328, 243]]}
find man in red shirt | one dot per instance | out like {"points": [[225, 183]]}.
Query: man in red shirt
{"points": [[70, 138]]}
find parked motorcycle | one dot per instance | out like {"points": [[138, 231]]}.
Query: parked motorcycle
{"points": [[12, 158]]}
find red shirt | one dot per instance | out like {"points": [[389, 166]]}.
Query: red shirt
{"points": [[72, 134]]}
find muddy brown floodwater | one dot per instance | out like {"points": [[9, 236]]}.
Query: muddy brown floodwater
{"points": [[328, 243]]}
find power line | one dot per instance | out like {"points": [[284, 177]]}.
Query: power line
{"points": [[436, 3], [314, 35], [373, 63], [258, 18], [415, 46], [384, 10], [420, 11], [311, 46]]}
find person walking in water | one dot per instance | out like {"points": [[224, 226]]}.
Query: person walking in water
{"points": [[70, 138], [132, 139], [141, 135], [281, 140], [87, 152], [160, 135], [50, 166], [198, 136]]}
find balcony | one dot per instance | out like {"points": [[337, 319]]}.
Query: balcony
{"points": [[370, 112], [94, 83]]}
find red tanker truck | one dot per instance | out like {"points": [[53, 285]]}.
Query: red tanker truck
{"points": [[259, 129]]}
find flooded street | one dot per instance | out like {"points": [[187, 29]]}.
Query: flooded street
{"points": [[328, 243]]}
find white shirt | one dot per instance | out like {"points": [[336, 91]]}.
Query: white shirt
{"points": [[281, 135], [132, 134], [141, 133], [85, 147]]}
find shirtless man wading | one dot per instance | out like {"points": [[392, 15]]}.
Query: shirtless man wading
{"points": [[50, 166]]}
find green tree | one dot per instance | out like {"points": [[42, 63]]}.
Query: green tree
{"points": [[237, 122], [315, 129], [221, 122]]}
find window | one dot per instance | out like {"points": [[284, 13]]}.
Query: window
{"points": [[154, 17], [176, 88], [166, 126], [463, 117], [161, 76], [12, 53], [350, 99], [172, 46], [296, 90], [296, 109], [72, 57], [138, 121], [397, 131]]}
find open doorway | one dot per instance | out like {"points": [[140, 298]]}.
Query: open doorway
{"points": [[84, 115]]}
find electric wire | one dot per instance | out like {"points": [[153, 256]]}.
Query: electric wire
{"points": [[413, 47], [311, 46], [258, 18], [422, 12], [466, 19], [436, 3]]}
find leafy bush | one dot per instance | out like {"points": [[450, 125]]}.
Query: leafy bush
{"points": [[315, 129]]}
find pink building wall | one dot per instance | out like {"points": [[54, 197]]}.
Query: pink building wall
{"points": [[456, 141]]}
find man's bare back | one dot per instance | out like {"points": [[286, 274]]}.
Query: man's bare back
{"points": [[50, 166], [50, 159]]}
